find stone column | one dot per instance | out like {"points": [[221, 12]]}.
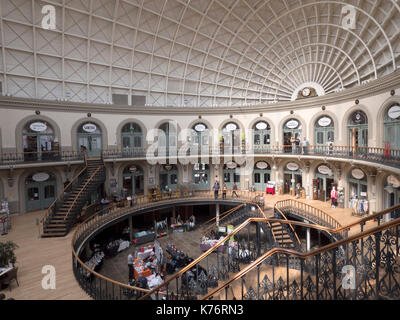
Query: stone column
{"points": [[217, 214]]}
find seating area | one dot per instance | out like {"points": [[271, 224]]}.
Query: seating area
{"points": [[8, 276]]}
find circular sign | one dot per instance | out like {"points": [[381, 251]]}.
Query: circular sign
{"points": [[393, 181], [261, 126], [200, 127], [357, 174], [231, 127], [292, 124], [133, 169], [40, 177], [292, 166], [231, 165], [89, 127], [394, 111], [38, 126], [324, 121], [324, 169], [262, 165]]}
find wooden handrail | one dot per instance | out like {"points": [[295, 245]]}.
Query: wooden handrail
{"points": [[65, 188], [83, 188]]}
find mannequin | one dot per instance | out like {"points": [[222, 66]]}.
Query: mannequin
{"points": [[334, 195]]}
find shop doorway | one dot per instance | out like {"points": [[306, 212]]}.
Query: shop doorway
{"points": [[358, 132], [292, 176], [169, 177], [292, 136], [261, 175], [40, 191], [89, 136], [133, 181]]}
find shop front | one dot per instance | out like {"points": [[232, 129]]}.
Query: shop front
{"points": [[200, 139], [292, 135], [200, 176], [231, 174], [292, 177], [261, 137], [132, 139], [133, 180], [358, 191], [324, 134], [261, 175], [230, 139], [168, 177], [89, 137], [358, 132], [40, 191], [323, 182], [168, 141], [39, 141], [391, 195], [392, 126]]}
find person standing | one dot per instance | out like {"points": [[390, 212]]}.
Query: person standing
{"points": [[334, 195], [234, 189], [216, 188], [224, 191], [130, 267], [304, 145]]}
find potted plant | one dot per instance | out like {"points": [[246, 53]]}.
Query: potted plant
{"points": [[7, 254]]}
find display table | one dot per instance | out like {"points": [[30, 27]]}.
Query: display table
{"points": [[144, 236], [209, 243], [140, 270], [154, 281], [145, 253]]}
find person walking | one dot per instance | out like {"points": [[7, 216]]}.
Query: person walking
{"points": [[334, 195], [234, 189], [216, 188], [130, 267], [224, 188]]}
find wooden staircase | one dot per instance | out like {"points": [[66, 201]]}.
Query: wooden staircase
{"points": [[282, 236], [63, 213]]}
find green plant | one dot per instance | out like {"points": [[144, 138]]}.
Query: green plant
{"points": [[7, 253]]}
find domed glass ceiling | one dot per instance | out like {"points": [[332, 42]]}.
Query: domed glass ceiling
{"points": [[194, 53]]}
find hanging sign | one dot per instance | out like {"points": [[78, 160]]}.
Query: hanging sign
{"points": [[292, 166], [393, 181], [324, 121], [262, 165], [292, 124], [231, 127], [38, 126], [394, 111], [89, 127], [40, 176], [200, 127], [357, 174], [261, 126], [231, 165], [324, 169]]}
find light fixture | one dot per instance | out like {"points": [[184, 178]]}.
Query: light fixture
{"points": [[389, 188], [168, 167]]}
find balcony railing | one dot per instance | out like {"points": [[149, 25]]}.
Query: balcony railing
{"points": [[12, 158]]}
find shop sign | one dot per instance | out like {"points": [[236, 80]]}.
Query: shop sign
{"points": [[261, 126], [231, 165], [38, 126], [393, 181], [231, 126], [292, 124], [357, 174], [394, 112], [40, 177], [324, 169], [363, 194], [200, 127], [292, 166], [89, 127], [133, 169], [262, 165], [324, 121]]}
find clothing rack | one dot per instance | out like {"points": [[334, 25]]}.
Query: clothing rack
{"points": [[359, 207]]}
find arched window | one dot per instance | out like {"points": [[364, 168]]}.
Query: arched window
{"points": [[201, 176], [132, 138], [322, 182], [324, 131], [261, 175], [261, 136], [168, 141], [39, 141], [40, 190], [200, 137], [292, 176], [169, 176], [231, 138], [358, 185], [133, 180], [392, 126], [292, 130], [89, 136], [357, 127]]}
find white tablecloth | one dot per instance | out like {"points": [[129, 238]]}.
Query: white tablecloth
{"points": [[123, 245], [154, 281], [145, 254]]}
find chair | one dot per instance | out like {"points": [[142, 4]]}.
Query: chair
{"points": [[9, 276]]}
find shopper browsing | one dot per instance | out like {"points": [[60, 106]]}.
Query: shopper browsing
{"points": [[216, 188]]}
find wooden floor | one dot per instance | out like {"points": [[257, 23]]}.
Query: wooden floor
{"points": [[35, 252]]}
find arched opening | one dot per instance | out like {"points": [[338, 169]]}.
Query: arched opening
{"points": [[169, 177], [323, 182], [261, 136], [132, 181], [230, 139], [89, 137], [357, 127], [168, 141], [40, 190], [231, 174], [292, 176], [200, 138], [391, 195], [324, 132], [201, 176], [261, 175], [131, 139], [392, 126], [292, 130], [39, 141], [358, 191]]}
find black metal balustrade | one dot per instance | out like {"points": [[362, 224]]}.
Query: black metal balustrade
{"points": [[12, 158]]}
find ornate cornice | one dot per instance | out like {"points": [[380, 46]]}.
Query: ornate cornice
{"points": [[379, 86]]}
